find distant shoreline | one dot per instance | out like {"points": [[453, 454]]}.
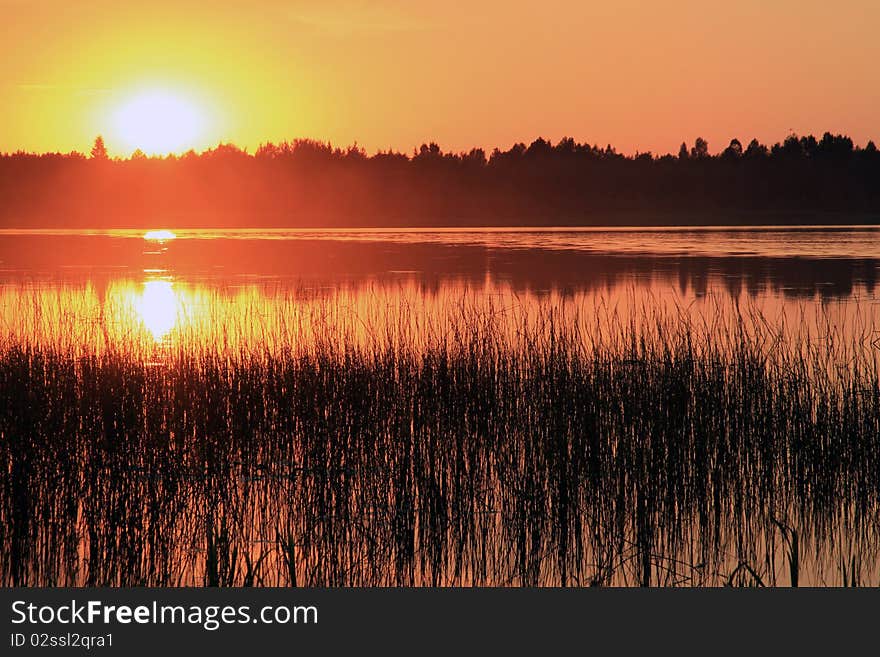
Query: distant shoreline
{"points": [[302, 184]]}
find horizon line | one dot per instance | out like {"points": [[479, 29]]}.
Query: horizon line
{"points": [[354, 147]]}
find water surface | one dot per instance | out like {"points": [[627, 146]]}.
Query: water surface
{"points": [[135, 287]]}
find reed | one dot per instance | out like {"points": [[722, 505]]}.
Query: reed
{"points": [[664, 449]]}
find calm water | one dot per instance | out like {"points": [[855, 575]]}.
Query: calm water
{"points": [[73, 283]]}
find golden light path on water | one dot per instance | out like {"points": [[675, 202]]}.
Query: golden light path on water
{"points": [[158, 304], [158, 307]]}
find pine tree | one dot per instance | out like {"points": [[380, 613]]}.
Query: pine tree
{"points": [[99, 150]]}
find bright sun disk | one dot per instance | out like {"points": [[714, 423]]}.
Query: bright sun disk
{"points": [[158, 122]]}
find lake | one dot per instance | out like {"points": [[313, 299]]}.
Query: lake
{"points": [[199, 281], [677, 406]]}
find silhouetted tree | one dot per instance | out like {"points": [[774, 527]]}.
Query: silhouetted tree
{"points": [[809, 145], [791, 148], [700, 149], [539, 148], [835, 146], [756, 150], [476, 156], [734, 150], [99, 150], [428, 152]]}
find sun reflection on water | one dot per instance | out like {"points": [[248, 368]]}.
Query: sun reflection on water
{"points": [[158, 307], [159, 235]]}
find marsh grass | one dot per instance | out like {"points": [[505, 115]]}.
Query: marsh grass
{"points": [[660, 449]]}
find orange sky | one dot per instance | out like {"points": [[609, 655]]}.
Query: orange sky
{"points": [[391, 73]]}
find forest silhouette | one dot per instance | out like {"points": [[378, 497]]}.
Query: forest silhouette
{"points": [[306, 183]]}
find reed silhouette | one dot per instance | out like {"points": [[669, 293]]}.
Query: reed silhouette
{"points": [[667, 449]]}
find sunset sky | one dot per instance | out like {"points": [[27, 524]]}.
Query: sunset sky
{"points": [[636, 74]]}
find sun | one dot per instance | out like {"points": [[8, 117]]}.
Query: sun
{"points": [[158, 122]]}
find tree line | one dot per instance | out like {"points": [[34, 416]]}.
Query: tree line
{"points": [[307, 183]]}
